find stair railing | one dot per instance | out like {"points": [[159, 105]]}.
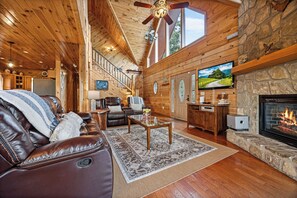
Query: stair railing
{"points": [[115, 72]]}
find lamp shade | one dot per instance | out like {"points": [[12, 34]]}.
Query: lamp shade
{"points": [[93, 94]]}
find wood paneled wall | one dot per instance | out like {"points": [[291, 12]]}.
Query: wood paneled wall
{"points": [[101, 40], [214, 48]]}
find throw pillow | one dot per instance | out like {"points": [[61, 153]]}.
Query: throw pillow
{"points": [[66, 129], [115, 108], [73, 116], [136, 107]]}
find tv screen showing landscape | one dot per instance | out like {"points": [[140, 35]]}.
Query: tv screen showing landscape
{"points": [[218, 76], [101, 84]]}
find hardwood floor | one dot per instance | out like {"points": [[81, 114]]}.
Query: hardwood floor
{"points": [[240, 175]]}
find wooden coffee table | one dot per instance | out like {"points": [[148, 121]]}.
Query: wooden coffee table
{"points": [[150, 122]]}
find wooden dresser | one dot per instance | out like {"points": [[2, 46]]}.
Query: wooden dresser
{"points": [[208, 117]]}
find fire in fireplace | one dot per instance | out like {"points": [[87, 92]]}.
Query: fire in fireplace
{"points": [[278, 117], [288, 123]]}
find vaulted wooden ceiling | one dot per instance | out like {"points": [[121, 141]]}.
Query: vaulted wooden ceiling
{"points": [[42, 31], [123, 21], [47, 30]]}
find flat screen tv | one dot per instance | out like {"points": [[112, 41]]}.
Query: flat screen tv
{"points": [[215, 77], [101, 84]]}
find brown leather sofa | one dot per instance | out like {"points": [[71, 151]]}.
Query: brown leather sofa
{"points": [[30, 166]]}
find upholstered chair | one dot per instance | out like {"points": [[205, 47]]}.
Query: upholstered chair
{"points": [[136, 103], [116, 115]]}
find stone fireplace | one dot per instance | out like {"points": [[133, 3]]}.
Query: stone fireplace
{"points": [[266, 84], [262, 31], [277, 117]]}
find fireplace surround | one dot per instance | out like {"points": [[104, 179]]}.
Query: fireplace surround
{"points": [[277, 117]]}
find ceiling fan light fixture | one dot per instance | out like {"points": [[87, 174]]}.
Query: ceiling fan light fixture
{"points": [[160, 9]]}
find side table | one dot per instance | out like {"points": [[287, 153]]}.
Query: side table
{"points": [[101, 116]]}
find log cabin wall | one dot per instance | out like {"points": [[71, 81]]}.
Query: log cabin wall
{"points": [[101, 40], [214, 48]]}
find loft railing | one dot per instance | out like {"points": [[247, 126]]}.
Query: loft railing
{"points": [[101, 62]]}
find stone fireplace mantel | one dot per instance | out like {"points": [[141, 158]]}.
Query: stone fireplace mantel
{"points": [[275, 58]]}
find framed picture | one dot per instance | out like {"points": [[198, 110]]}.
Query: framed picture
{"points": [[101, 85]]}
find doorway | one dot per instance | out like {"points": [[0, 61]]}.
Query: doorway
{"points": [[183, 90]]}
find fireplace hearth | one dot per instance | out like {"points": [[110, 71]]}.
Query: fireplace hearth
{"points": [[277, 117]]}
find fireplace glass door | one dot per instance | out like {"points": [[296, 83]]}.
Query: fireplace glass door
{"points": [[278, 117]]}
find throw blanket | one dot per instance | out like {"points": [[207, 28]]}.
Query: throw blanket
{"points": [[136, 100], [34, 108]]}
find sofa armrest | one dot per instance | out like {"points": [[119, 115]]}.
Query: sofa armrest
{"points": [[61, 150], [85, 116]]}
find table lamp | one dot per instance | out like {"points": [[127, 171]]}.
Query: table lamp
{"points": [[93, 95]]}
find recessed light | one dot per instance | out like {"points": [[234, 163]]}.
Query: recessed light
{"points": [[51, 68], [26, 52], [1, 58], [21, 65], [40, 62]]}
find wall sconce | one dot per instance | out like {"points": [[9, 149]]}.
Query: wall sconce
{"points": [[110, 49]]}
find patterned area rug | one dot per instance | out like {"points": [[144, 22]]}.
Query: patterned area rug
{"points": [[136, 162]]}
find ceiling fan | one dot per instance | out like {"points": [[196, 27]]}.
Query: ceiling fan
{"points": [[160, 9]]}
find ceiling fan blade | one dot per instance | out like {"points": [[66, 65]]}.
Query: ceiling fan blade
{"points": [[139, 4], [179, 5], [168, 19], [148, 19]]}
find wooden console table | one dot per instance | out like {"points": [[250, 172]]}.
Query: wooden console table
{"points": [[208, 117], [101, 116]]}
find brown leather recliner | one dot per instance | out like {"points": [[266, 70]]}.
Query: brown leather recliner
{"points": [[30, 166], [114, 118]]}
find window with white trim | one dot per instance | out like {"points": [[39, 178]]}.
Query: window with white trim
{"points": [[188, 27]]}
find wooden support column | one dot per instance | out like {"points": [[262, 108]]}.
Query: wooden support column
{"points": [[133, 84], [83, 78], [85, 61], [58, 77]]}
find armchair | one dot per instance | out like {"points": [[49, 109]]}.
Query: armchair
{"points": [[136, 103], [116, 116], [31, 166]]}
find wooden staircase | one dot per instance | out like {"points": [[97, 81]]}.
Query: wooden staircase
{"points": [[99, 61]]}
